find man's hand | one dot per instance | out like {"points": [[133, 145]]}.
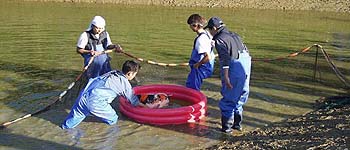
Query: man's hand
{"points": [[118, 48], [158, 100], [228, 83], [152, 105], [227, 78], [196, 65], [96, 53]]}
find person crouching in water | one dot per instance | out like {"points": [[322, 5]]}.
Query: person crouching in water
{"points": [[202, 57], [99, 92]]}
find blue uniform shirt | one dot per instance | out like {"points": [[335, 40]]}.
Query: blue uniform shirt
{"points": [[96, 97]]}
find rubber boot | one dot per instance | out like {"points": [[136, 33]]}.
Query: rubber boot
{"points": [[237, 122], [226, 124]]}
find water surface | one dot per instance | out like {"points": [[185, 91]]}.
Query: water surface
{"points": [[39, 61]]}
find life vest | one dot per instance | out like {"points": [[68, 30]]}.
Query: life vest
{"points": [[93, 40], [100, 64]]}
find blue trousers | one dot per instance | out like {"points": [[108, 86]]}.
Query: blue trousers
{"points": [[196, 76], [93, 100], [99, 66], [231, 104]]}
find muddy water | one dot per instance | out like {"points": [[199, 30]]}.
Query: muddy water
{"points": [[38, 62]]}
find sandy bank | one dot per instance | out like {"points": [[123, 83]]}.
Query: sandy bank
{"points": [[317, 5]]}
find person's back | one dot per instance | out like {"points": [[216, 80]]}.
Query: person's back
{"points": [[234, 46], [97, 95]]}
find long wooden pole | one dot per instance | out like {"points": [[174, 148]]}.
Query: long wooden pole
{"points": [[4, 125]]}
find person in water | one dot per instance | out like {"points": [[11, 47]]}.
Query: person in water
{"points": [[235, 68], [202, 57], [99, 92], [93, 42]]}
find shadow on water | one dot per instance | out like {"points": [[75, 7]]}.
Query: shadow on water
{"points": [[35, 72], [24, 142], [30, 82]]}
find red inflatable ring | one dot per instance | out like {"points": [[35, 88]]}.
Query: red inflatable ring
{"points": [[163, 116]]}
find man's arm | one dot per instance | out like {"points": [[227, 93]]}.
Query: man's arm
{"points": [[226, 60], [205, 59]]}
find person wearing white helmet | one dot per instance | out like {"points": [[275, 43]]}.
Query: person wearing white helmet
{"points": [[93, 42]]}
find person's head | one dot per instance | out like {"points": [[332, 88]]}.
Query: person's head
{"points": [[97, 25], [214, 24], [130, 69], [196, 22]]}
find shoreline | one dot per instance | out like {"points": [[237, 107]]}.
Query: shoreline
{"points": [[340, 6]]}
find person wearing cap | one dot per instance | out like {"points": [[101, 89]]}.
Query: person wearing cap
{"points": [[235, 67], [93, 42], [202, 57]]}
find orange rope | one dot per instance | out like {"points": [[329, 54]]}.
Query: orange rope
{"points": [[284, 57], [332, 65], [186, 64]]}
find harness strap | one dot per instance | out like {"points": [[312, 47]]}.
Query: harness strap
{"points": [[195, 40]]}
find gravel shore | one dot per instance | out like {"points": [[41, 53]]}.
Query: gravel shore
{"points": [[328, 127], [316, 5]]}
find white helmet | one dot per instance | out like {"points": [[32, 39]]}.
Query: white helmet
{"points": [[97, 21]]}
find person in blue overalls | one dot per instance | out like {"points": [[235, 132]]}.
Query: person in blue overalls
{"points": [[202, 57], [93, 42], [235, 66], [99, 92]]}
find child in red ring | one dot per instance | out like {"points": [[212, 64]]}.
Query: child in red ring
{"points": [[158, 100]]}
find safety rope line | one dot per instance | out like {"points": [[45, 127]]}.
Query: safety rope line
{"points": [[153, 62], [216, 55], [341, 77], [284, 57]]}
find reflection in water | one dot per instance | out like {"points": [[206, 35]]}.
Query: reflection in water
{"points": [[101, 138], [106, 140], [75, 134], [16, 141]]}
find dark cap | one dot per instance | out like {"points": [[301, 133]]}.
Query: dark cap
{"points": [[214, 22]]}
